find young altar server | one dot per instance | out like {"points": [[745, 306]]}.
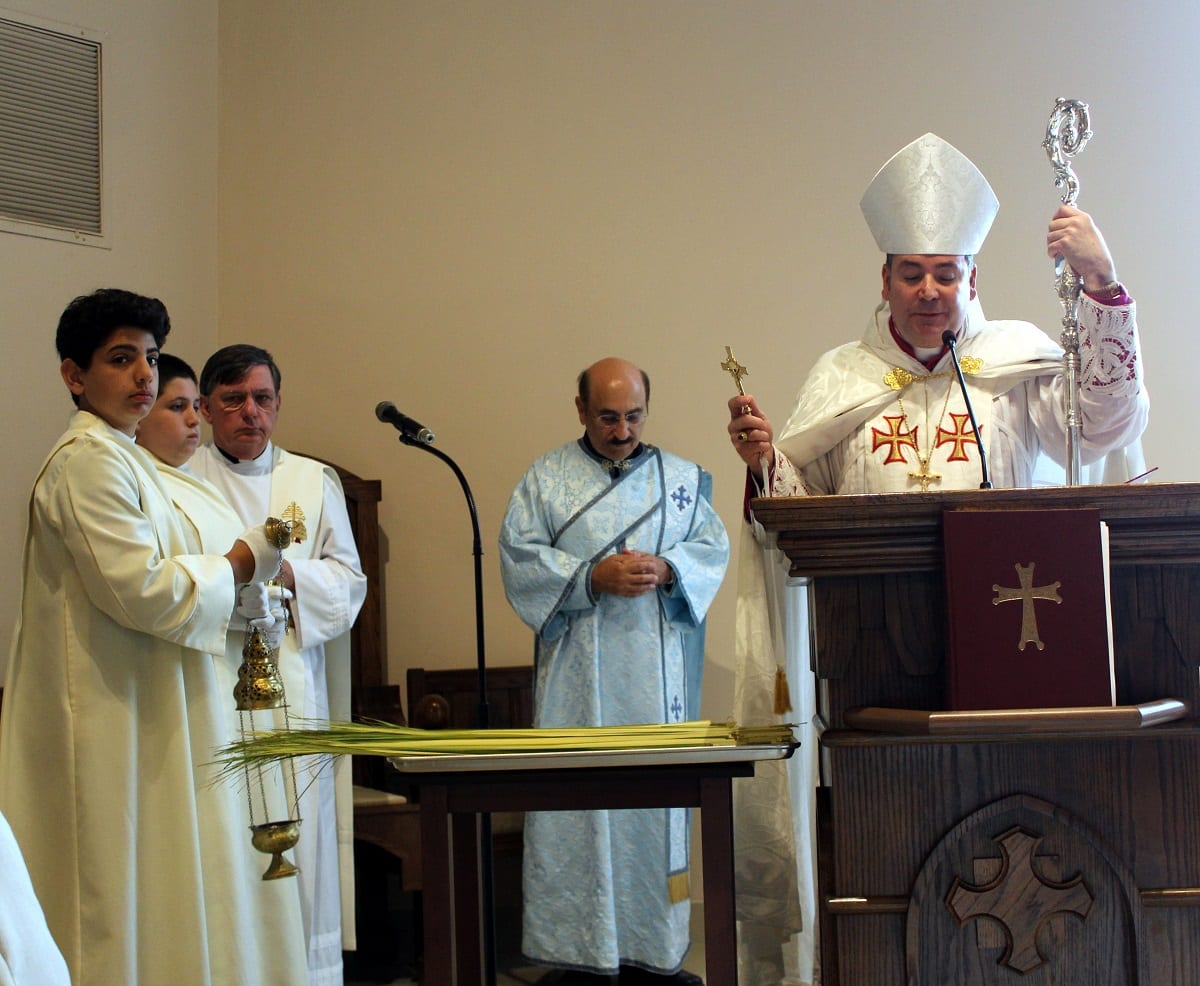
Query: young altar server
{"points": [[109, 721]]}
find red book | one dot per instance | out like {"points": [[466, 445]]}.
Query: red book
{"points": [[1027, 608]]}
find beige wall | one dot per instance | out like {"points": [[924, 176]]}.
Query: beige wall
{"points": [[457, 205], [160, 124]]}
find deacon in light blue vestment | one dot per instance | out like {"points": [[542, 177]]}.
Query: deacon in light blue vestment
{"points": [[605, 889]]}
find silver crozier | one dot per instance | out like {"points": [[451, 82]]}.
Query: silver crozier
{"points": [[1066, 134]]}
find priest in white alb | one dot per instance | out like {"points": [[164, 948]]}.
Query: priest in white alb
{"points": [[239, 388]]}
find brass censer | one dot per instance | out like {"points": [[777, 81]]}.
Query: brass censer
{"points": [[260, 688]]}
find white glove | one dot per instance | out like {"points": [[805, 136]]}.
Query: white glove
{"points": [[277, 597], [268, 559], [254, 605]]}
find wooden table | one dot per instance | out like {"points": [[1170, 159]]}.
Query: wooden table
{"points": [[454, 790]]}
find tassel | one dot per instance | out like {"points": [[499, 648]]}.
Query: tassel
{"points": [[783, 695], [678, 887]]}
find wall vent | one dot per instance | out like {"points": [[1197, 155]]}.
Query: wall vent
{"points": [[50, 133]]}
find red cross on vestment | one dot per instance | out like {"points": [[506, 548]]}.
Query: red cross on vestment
{"points": [[895, 439], [961, 436]]}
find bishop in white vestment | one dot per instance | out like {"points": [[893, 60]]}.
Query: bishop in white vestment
{"points": [[885, 414]]}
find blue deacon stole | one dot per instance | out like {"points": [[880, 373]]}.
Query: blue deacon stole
{"points": [[648, 507]]}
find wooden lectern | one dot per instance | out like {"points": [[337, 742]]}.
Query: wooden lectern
{"points": [[973, 851]]}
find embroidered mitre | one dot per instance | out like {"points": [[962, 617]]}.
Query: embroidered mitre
{"points": [[929, 199]]}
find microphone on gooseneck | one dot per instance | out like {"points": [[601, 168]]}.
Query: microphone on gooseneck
{"points": [[951, 343], [410, 429]]}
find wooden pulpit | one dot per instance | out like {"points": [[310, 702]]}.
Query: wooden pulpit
{"points": [[960, 850]]}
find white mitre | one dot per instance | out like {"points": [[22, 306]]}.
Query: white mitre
{"points": [[929, 198]]}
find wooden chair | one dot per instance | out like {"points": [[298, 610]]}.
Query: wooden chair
{"points": [[371, 696], [510, 697], [449, 699], [382, 815], [387, 842]]}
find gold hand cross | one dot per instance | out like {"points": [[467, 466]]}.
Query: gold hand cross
{"points": [[735, 369]]}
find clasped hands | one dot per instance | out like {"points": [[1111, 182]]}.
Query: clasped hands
{"points": [[631, 573]]}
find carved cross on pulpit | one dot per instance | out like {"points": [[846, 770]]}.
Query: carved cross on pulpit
{"points": [[1027, 593], [1020, 899]]}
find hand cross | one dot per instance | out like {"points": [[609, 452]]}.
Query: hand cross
{"points": [[735, 369]]}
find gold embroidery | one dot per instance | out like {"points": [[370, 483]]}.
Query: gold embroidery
{"points": [[897, 378], [293, 513]]}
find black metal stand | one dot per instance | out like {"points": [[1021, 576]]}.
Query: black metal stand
{"points": [[949, 341], [485, 819]]}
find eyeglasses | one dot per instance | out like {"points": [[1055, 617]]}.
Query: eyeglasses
{"points": [[235, 400], [610, 419]]}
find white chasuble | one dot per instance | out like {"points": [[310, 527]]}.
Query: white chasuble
{"points": [[869, 413]]}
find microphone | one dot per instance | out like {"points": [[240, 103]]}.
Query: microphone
{"points": [[951, 343], [412, 430]]}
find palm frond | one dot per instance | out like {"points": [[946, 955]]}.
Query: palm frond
{"points": [[388, 740]]}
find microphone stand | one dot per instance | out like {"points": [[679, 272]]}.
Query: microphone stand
{"points": [[952, 345], [483, 716]]}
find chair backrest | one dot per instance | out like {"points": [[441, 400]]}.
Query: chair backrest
{"points": [[510, 697], [371, 696]]}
